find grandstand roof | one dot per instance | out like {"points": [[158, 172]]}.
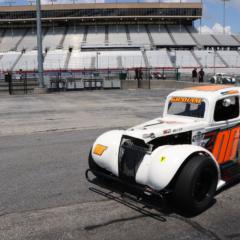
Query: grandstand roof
{"points": [[188, 11]]}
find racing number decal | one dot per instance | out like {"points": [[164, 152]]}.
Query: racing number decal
{"points": [[226, 145]]}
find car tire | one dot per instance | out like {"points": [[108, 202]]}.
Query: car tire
{"points": [[96, 170], [196, 185]]}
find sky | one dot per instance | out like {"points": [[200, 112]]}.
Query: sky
{"points": [[212, 12]]}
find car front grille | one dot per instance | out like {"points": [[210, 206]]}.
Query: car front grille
{"points": [[131, 154]]}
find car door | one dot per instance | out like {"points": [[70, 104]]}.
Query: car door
{"points": [[222, 137]]}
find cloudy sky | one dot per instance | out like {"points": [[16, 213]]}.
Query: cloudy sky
{"points": [[213, 12]]}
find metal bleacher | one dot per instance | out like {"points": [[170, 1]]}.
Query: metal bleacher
{"points": [[53, 37], [117, 35], [159, 58], [27, 62], [181, 35], [160, 35], [74, 37], [139, 35]]}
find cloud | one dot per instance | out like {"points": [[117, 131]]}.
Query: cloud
{"points": [[216, 28]]}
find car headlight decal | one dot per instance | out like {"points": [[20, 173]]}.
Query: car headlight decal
{"points": [[99, 149]]}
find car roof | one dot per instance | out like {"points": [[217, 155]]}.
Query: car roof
{"points": [[207, 91]]}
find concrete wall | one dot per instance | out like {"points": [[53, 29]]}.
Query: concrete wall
{"points": [[132, 84]]}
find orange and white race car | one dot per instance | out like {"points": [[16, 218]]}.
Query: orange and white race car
{"points": [[190, 153]]}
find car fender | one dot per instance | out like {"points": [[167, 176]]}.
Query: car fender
{"points": [[109, 158], [158, 169]]}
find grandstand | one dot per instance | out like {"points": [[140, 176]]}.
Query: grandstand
{"points": [[113, 36]]}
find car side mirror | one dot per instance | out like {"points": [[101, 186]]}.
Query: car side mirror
{"points": [[226, 102]]}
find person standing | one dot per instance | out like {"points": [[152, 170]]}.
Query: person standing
{"points": [[201, 75], [194, 74]]}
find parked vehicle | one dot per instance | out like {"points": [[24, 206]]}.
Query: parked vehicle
{"points": [[222, 78], [189, 153]]}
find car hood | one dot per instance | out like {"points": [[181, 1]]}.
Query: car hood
{"points": [[160, 127]]}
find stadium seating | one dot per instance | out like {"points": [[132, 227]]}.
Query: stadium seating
{"points": [[138, 35], [158, 58], [8, 60], [185, 59], [95, 36], [160, 35], [131, 59], [27, 62], [82, 60], [53, 37], [225, 40], [117, 35], [207, 59], [231, 57], [29, 41], [11, 38], [55, 59], [74, 37], [181, 36]]}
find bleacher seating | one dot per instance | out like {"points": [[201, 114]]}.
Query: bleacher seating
{"points": [[207, 58], [11, 38], [185, 59], [158, 58], [53, 37], [226, 40], [29, 41], [27, 62], [131, 59], [96, 36], [8, 60], [81, 60], [55, 59], [231, 57], [117, 35], [160, 35], [181, 36], [74, 37], [138, 35]]}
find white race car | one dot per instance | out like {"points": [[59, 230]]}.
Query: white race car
{"points": [[189, 153], [222, 78]]}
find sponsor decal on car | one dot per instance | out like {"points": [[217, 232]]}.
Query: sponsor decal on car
{"points": [[186, 100]]}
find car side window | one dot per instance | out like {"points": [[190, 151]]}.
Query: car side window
{"points": [[226, 109]]}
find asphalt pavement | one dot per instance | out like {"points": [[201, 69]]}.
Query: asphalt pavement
{"points": [[44, 193]]}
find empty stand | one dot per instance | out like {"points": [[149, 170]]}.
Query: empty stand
{"points": [[74, 37], [138, 35], [27, 62], [29, 42], [232, 58], [95, 36], [226, 40], [8, 60], [53, 37], [55, 59], [160, 35], [117, 35], [185, 59], [11, 39], [207, 58], [159, 58], [181, 35], [80, 60]]}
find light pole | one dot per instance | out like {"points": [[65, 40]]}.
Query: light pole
{"points": [[224, 15], [39, 44]]}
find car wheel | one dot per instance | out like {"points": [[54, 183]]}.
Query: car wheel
{"points": [[96, 170], [196, 185]]}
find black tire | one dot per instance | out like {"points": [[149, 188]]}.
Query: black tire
{"points": [[94, 167], [196, 184]]}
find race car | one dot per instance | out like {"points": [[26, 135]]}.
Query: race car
{"points": [[189, 153], [222, 78]]}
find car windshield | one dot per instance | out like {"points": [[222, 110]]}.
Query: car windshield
{"points": [[185, 106]]}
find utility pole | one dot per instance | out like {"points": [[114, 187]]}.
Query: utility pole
{"points": [[39, 44], [224, 15]]}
